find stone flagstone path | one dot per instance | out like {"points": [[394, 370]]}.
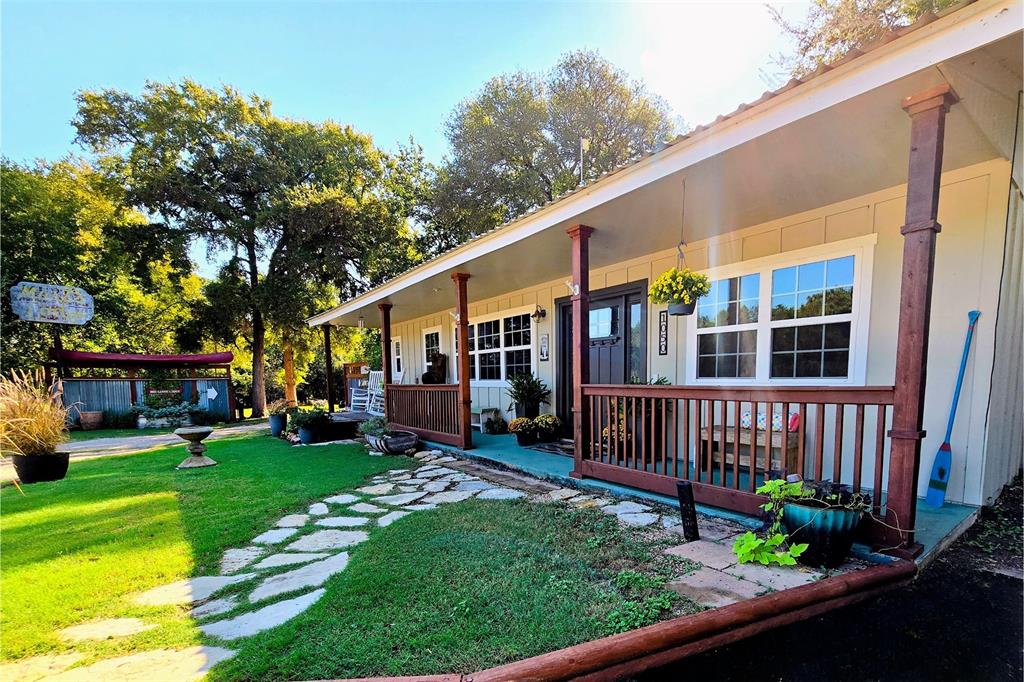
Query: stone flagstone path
{"points": [[286, 567]]}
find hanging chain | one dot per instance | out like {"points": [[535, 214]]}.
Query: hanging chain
{"points": [[680, 256]]}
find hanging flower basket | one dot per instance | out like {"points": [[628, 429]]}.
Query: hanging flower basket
{"points": [[680, 289]]}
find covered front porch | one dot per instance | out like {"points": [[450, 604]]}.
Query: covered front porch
{"points": [[758, 192]]}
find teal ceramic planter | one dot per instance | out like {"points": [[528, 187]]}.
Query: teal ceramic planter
{"points": [[307, 436], [277, 424], [828, 532]]}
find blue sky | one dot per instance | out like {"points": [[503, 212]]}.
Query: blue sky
{"points": [[389, 69]]}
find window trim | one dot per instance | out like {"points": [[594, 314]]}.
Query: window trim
{"points": [[398, 357], [861, 248], [423, 345], [488, 317]]}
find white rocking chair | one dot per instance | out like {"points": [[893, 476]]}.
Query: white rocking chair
{"points": [[359, 398], [376, 402]]}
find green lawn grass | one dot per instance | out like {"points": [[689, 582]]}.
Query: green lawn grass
{"points": [[457, 588], [75, 549], [80, 435]]}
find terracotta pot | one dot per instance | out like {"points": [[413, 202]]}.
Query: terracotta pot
{"points": [[41, 468], [90, 421]]}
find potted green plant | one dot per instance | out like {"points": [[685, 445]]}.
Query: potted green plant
{"points": [[547, 426], [771, 545], [278, 411], [825, 518], [680, 289], [307, 423], [527, 392], [33, 422], [380, 437], [525, 430]]}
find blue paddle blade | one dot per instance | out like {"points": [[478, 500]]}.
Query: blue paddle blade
{"points": [[940, 477]]}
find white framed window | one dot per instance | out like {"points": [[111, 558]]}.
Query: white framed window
{"points": [[500, 347], [795, 318], [396, 357], [431, 344]]}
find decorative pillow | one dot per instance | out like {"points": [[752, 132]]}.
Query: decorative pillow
{"points": [[762, 421], [745, 420], [794, 421]]}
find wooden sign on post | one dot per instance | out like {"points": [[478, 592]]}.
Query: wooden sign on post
{"points": [[34, 302]]}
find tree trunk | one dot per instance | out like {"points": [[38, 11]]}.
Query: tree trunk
{"points": [[259, 381], [290, 393]]}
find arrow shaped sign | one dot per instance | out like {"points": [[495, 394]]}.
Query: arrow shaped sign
{"points": [[211, 393]]}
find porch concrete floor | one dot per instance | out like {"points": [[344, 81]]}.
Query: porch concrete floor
{"points": [[936, 528]]}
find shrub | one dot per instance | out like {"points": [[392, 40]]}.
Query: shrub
{"points": [[527, 390], [376, 426], [175, 414], [33, 421], [308, 419], [280, 406], [201, 416], [679, 286], [772, 546], [112, 419], [495, 426]]}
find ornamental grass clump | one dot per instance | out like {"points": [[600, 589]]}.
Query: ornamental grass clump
{"points": [[33, 420], [679, 286]]}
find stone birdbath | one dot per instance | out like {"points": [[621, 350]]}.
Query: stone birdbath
{"points": [[195, 435]]}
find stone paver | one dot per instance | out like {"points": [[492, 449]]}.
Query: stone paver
{"points": [[379, 489], [293, 521], [344, 498], [275, 536], [215, 607], [238, 558], [105, 629], [310, 575], [500, 494], [715, 529], [714, 588], [436, 486], [289, 559], [441, 460], [327, 539], [625, 508], [561, 494], [189, 591], [400, 499], [343, 521], [182, 664], [473, 485], [408, 488], [708, 553], [366, 508], [268, 617], [638, 520], [434, 473], [448, 497], [37, 667], [391, 517], [318, 509], [775, 577], [420, 507]]}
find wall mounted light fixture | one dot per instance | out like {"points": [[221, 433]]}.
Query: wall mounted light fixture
{"points": [[539, 314]]}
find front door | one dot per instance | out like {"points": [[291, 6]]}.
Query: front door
{"points": [[618, 340]]}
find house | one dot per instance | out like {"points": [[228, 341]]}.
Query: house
{"points": [[849, 221]]}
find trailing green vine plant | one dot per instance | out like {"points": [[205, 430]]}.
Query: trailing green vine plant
{"points": [[773, 547]]}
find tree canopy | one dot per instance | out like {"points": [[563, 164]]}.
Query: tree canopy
{"points": [[315, 204], [834, 27], [64, 223], [516, 143]]}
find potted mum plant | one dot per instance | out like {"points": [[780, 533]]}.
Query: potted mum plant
{"points": [[308, 422], [525, 430], [388, 441], [527, 392], [825, 517], [680, 289], [33, 422], [278, 417], [547, 426]]}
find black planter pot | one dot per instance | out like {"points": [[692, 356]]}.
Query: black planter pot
{"points": [[547, 436], [526, 438], [41, 468], [682, 308], [828, 532], [528, 411]]}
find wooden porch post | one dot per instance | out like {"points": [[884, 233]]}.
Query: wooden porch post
{"points": [[385, 340], [927, 111], [580, 235], [329, 367], [462, 329]]}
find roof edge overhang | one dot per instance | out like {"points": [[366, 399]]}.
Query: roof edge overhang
{"points": [[936, 40]]}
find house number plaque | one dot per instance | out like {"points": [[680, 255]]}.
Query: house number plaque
{"points": [[663, 332]]}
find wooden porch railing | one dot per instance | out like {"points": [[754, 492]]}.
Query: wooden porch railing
{"points": [[651, 436], [431, 411]]}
